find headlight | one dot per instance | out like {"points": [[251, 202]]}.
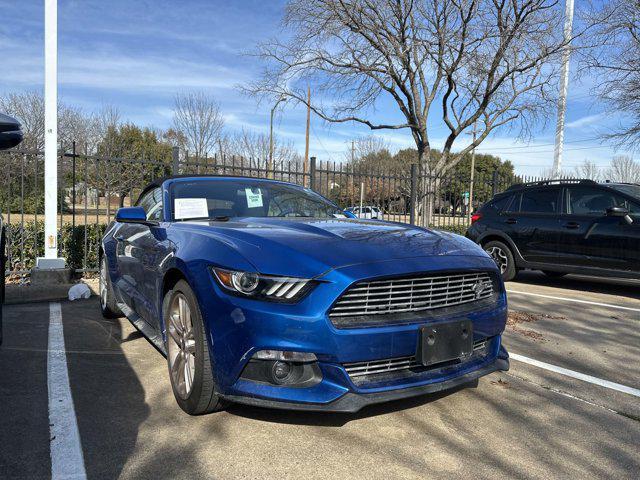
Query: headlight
{"points": [[264, 287]]}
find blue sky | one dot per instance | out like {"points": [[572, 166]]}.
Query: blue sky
{"points": [[138, 54]]}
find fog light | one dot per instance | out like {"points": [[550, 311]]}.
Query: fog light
{"points": [[281, 371]]}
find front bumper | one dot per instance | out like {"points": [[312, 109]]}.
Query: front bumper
{"points": [[239, 327], [352, 402]]}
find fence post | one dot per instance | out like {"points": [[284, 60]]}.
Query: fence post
{"points": [[176, 160], [494, 184], [312, 173], [412, 199]]}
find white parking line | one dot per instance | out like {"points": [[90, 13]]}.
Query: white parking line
{"points": [[580, 376], [565, 299], [66, 451]]}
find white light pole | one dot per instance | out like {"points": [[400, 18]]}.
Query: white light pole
{"points": [[50, 259], [564, 84]]}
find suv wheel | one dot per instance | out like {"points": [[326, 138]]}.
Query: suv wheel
{"points": [[188, 358], [503, 257]]}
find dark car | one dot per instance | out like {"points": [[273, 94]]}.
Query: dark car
{"points": [[10, 136], [560, 227]]}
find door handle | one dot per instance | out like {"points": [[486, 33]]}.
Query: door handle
{"points": [[572, 225], [511, 221]]}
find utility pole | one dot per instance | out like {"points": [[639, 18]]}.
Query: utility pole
{"points": [[305, 166], [273, 111], [564, 85], [473, 172], [353, 152], [50, 260]]}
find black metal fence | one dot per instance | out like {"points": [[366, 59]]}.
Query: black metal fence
{"points": [[91, 188]]}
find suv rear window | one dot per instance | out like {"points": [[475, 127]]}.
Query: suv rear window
{"points": [[501, 203], [539, 201]]}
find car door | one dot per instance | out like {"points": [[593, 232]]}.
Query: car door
{"points": [[532, 223], [598, 239], [140, 250]]}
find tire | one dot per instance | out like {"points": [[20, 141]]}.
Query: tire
{"points": [[551, 274], [188, 358], [108, 305], [503, 257]]}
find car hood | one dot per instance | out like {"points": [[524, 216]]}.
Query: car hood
{"points": [[310, 247]]}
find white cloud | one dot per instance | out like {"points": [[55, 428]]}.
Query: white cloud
{"points": [[585, 121]]}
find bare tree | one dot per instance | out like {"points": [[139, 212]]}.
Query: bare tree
{"points": [[623, 169], [469, 61], [197, 117], [615, 64], [368, 145], [253, 145], [588, 170]]}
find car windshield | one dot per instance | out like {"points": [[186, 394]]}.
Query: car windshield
{"points": [[223, 198], [633, 190]]}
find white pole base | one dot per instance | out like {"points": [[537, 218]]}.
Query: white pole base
{"points": [[50, 263]]}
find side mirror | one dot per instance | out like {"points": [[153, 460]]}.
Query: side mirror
{"points": [[617, 212], [349, 214], [133, 215], [620, 212], [10, 133]]}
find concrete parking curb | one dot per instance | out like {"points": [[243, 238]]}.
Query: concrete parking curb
{"points": [[16, 294]]}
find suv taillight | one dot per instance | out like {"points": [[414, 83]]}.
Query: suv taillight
{"points": [[475, 217]]}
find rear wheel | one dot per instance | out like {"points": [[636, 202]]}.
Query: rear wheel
{"points": [[551, 274], [503, 257], [190, 368], [108, 304]]}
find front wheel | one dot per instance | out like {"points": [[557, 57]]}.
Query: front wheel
{"points": [[503, 257], [188, 358]]}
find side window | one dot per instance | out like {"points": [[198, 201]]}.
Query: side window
{"points": [[593, 201], [539, 201], [152, 204], [501, 204]]}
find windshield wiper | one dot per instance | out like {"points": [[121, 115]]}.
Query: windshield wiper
{"points": [[217, 218]]}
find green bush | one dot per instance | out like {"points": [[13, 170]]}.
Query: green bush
{"points": [[459, 229], [30, 240]]}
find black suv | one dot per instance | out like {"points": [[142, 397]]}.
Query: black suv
{"points": [[562, 226]]}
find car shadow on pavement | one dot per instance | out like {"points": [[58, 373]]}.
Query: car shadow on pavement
{"points": [[109, 398], [331, 419], [611, 286]]}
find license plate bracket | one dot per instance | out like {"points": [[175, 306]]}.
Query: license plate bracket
{"points": [[445, 341]]}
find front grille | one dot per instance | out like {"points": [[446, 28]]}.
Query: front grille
{"points": [[412, 294], [360, 369], [387, 369]]}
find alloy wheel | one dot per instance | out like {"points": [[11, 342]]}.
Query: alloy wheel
{"points": [[181, 345], [500, 257]]}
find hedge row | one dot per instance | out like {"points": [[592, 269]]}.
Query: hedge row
{"points": [[28, 242], [459, 229]]}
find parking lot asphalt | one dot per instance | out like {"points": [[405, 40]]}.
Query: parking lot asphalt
{"points": [[530, 422]]}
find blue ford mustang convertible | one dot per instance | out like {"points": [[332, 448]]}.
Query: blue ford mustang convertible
{"points": [[265, 293]]}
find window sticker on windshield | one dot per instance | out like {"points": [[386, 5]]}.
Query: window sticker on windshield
{"points": [[254, 197], [190, 208]]}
